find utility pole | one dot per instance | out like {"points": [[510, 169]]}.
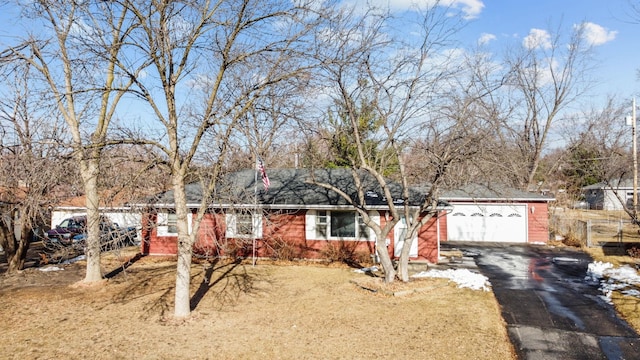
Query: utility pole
{"points": [[635, 155]]}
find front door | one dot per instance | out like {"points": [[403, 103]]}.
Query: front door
{"points": [[399, 233]]}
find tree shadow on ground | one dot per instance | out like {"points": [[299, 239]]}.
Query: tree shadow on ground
{"points": [[616, 248], [231, 280], [125, 265], [153, 282]]}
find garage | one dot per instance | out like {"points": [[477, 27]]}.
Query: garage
{"points": [[488, 222]]}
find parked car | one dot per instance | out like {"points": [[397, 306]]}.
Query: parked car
{"points": [[65, 232], [73, 231]]}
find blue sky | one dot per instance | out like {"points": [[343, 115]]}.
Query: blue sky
{"points": [[501, 23], [615, 38], [505, 22], [610, 25]]}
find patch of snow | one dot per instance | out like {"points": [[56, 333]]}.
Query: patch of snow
{"points": [[565, 259], [75, 259], [611, 279], [50, 268], [366, 270], [463, 277], [631, 292], [470, 253]]}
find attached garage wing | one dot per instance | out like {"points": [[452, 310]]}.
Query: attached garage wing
{"points": [[488, 222]]}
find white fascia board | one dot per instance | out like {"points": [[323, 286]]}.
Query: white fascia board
{"points": [[502, 200], [278, 206], [101, 208]]}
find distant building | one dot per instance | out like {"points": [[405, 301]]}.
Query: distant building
{"points": [[614, 195]]}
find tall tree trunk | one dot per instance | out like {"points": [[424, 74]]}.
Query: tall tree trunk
{"points": [[17, 259], [385, 259], [89, 172], [15, 245], [403, 264], [182, 307]]}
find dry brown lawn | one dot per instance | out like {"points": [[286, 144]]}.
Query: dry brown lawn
{"points": [[270, 311]]}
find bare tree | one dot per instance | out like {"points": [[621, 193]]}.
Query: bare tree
{"points": [[209, 66], [78, 65], [30, 163], [386, 92], [546, 74]]}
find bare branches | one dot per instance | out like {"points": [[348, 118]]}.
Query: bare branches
{"points": [[547, 74]]}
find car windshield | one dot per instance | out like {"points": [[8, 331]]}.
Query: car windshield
{"points": [[70, 223], [67, 223]]}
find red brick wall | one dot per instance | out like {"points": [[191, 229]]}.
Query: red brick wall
{"points": [[538, 222], [283, 237], [210, 235], [443, 226], [428, 241], [151, 243]]}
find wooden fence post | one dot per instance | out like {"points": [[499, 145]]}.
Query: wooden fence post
{"points": [[589, 233]]}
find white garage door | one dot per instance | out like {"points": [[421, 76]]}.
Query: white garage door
{"points": [[487, 222]]}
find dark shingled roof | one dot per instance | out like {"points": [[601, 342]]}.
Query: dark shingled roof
{"points": [[295, 188], [292, 187], [478, 192]]}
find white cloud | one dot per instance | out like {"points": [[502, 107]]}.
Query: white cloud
{"points": [[595, 34], [537, 38], [471, 9], [485, 38]]}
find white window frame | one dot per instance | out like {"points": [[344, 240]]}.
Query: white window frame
{"points": [[316, 218], [231, 230], [167, 220]]}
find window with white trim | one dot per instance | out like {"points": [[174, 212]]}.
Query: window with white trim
{"points": [[337, 225], [244, 225], [167, 224], [321, 224]]}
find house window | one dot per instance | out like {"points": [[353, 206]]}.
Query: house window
{"points": [[343, 224], [244, 225], [167, 224], [172, 223], [321, 224], [334, 225]]}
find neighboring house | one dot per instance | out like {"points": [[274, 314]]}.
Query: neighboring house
{"points": [[305, 220], [603, 196], [122, 216]]}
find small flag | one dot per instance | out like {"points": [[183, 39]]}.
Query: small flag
{"points": [[263, 174]]}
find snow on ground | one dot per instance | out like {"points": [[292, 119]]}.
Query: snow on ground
{"points": [[50, 268], [75, 259], [66, 262], [366, 270], [624, 279], [463, 277]]}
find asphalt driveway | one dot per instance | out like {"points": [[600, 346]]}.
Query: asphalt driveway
{"points": [[550, 310]]}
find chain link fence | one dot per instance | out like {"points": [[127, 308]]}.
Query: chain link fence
{"points": [[613, 234]]}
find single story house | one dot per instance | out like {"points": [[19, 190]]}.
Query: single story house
{"points": [[607, 196], [298, 219]]}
